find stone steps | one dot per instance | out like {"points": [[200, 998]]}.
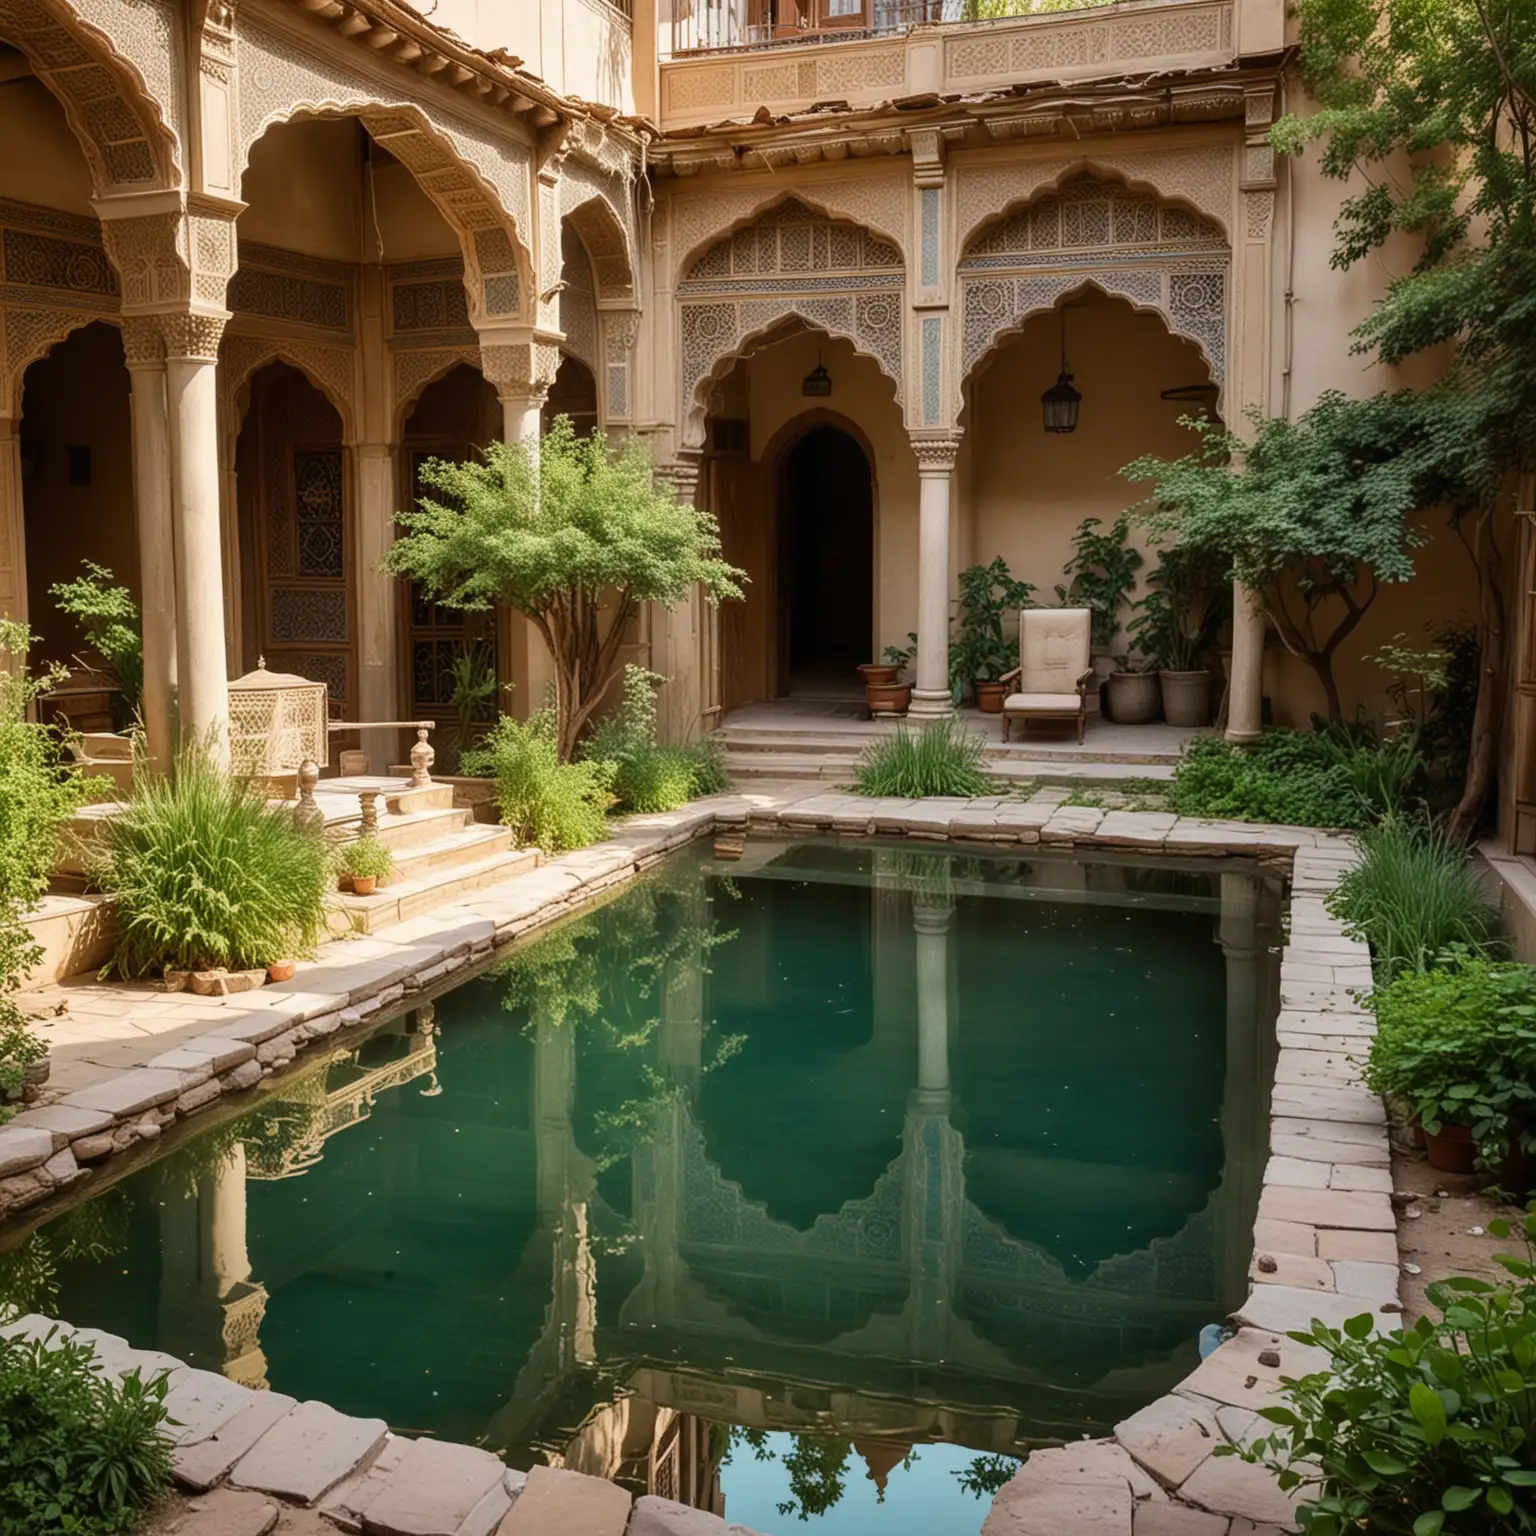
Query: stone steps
{"points": [[837, 768], [742, 740], [404, 899]]}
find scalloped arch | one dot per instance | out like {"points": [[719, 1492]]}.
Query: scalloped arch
{"points": [[329, 369], [29, 335], [417, 372], [793, 318], [879, 204], [123, 129], [1200, 179]]}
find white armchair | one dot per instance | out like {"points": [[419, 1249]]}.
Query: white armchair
{"points": [[1054, 668]]}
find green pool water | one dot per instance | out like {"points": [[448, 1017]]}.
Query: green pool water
{"points": [[838, 1168]]}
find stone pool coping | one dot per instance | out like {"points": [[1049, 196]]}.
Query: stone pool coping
{"points": [[1325, 1235]]}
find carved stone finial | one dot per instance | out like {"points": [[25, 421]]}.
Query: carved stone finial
{"points": [[307, 813], [422, 758]]}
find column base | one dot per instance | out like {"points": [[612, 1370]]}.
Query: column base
{"points": [[930, 705], [1241, 738]]}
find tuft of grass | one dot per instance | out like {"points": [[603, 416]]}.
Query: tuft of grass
{"points": [[1414, 897], [555, 805], [206, 874], [940, 759]]}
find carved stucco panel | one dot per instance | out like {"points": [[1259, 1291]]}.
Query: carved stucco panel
{"points": [[1202, 176], [879, 203], [414, 371], [603, 212], [279, 80], [330, 369], [27, 335], [145, 33]]}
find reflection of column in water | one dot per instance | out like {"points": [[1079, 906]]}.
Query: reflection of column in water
{"points": [[682, 995], [210, 1308], [1243, 1127], [930, 923]]}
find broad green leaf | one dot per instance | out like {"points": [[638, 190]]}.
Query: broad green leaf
{"points": [[1430, 1523], [1456, 1498], [1429, 1411]]}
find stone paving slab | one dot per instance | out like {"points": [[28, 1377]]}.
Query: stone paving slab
{"points": [[307, 1452]]}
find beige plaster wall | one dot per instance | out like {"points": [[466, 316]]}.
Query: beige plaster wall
{"points": [[580, 47], [303, 189], [1023, 491], [76, 396], [40, 158]]}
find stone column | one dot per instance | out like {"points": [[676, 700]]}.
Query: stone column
{"points": [[377, 593], [13, 542], [145, 354], [191, 361], [935, 470], [1245, 693]]}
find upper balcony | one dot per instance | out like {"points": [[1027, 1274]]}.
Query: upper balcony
{"points": [[731, 57]]}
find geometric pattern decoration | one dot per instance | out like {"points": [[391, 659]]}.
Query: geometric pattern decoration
{"points": [[282, 285], [790, 265], [1100, 234], [308, 615], [318, 513]]}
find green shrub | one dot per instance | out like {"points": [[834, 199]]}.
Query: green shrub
{"points": [[1458, 1044], [365, 859], [39, 791], [109, 618], [1283, 777], [206, 874], [80, 1451], [554, 805], [646, 775], [1412, 897], [940, 759], [1426, 1430]]}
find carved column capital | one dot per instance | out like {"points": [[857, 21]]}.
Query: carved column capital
{"points": [[143, 342], [519, 369], [193, 335], [935, 452]]}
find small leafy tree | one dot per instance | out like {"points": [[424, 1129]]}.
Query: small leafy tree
{"points": [[577, 537], [1428, 109], [109, 619], [1103, 575], [1315, 515]]}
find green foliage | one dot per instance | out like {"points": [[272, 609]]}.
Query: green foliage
{"points": [[1427, 1431], [109, 618], [81, 1452], [207, 874], [365, 858], [39, 791], [939, 759], [1284, 777], [1382, 774], [984, 1476], [1413, 896], [1103, 575], [1178, 617], [552, 804], [1458, 1044], [901, 656], [646, 775], [472, 692], [979, 652], [577, 537]]}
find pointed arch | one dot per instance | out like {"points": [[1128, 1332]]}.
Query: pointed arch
{"points": [[589, 208], [416, 372], [329, 369], [123, 128], [27, 336]]}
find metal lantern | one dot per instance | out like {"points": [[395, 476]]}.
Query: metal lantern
{"points": [[277, 722], [818, 381], [1060, 402]]}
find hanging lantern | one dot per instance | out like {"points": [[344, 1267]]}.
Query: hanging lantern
{"points": [[818, 381], [1060, 402]]}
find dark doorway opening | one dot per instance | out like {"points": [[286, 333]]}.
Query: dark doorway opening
{"points": [[827, 561]]}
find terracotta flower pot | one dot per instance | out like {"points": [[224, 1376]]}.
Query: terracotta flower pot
{"points": [[362, 885], [1134, 698], [281, 970], [888, 698], [1186, 697], [1451, 1149], [878, 672], [990, 696]]}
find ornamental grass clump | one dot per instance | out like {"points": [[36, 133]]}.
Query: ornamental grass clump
{"points": [[648, 776], [555, 806], [207, 874], [1414, 896], [1425, 1431], [940, 759], [81, 1450]]}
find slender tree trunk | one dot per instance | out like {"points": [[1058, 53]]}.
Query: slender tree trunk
{"points": [[1487, 716]]}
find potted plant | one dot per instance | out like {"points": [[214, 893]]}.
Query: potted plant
{"points": [[365, 863], [1176, 623], [884, 692], [979, 653], [1102, 574], [1457, 1044], [1132, 694]]}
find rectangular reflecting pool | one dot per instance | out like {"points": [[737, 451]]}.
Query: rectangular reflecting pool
{"points": [[840, 1172]]}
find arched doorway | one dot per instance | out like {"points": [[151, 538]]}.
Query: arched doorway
{"points": [[826, 521]]}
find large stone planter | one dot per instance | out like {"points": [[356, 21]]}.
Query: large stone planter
{"points": [[1186, 697], [1133, 698]]}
